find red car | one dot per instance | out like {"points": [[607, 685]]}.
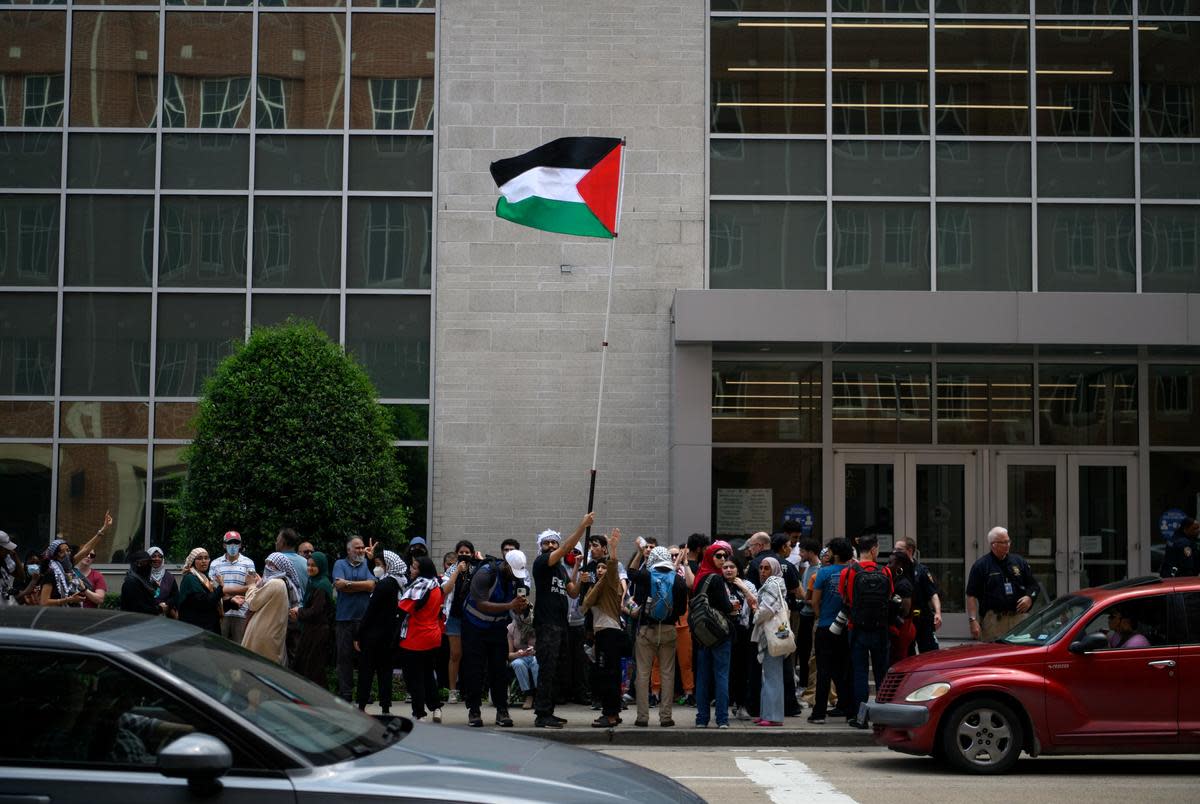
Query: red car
{"points": [[1113, 669]]}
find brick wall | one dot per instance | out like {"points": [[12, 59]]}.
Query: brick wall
{"points": [[517, 359]]}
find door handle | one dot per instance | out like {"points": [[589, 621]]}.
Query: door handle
{"points": [[1162, 663]]}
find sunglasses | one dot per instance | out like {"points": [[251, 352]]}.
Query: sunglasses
{"points": [[232, 541], [91, 555], [719, 556]]}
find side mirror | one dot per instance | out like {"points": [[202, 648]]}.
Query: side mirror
{"points": [[195, 757], [1091, 642]]}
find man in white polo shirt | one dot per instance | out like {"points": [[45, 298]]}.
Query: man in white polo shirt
{"points": [[230, 570]]}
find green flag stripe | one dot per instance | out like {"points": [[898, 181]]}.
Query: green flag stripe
{"points": [[564, 217]]}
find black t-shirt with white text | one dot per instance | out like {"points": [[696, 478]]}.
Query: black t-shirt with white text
{"points": [[550, 589]]}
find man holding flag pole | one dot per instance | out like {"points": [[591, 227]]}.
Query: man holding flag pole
{"points": [[572, 185]]}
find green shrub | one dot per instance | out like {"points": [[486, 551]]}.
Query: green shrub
{"points": [[289, 434]]}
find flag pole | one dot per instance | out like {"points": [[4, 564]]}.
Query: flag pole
{"points": [[612, 253]]}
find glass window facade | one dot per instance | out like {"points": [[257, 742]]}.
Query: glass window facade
{"points": [[171, 176], [1038, 126]]}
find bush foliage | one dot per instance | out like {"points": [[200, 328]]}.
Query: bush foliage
{"points": [[289, 434]]}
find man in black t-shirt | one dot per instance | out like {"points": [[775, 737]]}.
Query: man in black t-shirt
{"points": [[552, 587], [1001, 589]]}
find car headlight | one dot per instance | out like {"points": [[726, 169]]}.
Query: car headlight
{"points": [[928, 692]]}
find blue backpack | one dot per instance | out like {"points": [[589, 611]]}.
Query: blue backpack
{"points": [[662, 596]]}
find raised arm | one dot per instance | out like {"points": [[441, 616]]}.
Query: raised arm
{"points": [[567, 546]]}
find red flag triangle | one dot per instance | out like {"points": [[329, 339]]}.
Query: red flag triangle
{"points": [[601, 186]]}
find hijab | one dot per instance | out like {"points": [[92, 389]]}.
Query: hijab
{"points": [[772, 597], [320, 581], [156, 574], [280, 566], [189, 566], [708, 566], [660, 557], [135, 574], [65, 584]]}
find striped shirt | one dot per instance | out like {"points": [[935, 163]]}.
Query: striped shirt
{"points": [[231, 573]]}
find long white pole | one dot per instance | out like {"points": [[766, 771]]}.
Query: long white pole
{"points": [[612, 253]]}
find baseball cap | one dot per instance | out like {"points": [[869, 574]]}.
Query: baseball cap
{"points": [[6, 542], [418, 540], [232, 536], [516, 562]]}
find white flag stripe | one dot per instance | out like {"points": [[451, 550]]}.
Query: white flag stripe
{"points": [[555, 184], [790, 780]]}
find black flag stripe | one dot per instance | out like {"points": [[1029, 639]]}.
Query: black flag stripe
{"points": [[582, 153]]}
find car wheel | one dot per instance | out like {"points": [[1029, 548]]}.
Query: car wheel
{"points": [[982, 735]]}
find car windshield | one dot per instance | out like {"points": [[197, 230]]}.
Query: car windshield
{"points": [[1049, 624], [292, 709]]}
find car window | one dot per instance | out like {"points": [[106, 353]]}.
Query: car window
{"points": [[298, 713], [1141, 622], [85, 710], [1049, 624], [1191, 618]]}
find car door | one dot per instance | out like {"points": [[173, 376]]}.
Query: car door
{"points": [[1122, 695], [90, 730], [1189, 668]]}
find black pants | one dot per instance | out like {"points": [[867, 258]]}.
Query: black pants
{"points": [[832, 665], [484, 648], [346, 658], [610, 645], [376, 660], [791, 707], [551, 638], [926, 637], [573, 682], [743, 662], [804, 646], [419, 678]]}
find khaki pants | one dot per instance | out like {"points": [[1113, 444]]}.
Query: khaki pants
{"points": [[810, 692], [995, 624], [655, 641]]}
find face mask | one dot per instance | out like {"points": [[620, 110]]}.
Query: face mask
{"points": [[233, 550], [380, 572]]}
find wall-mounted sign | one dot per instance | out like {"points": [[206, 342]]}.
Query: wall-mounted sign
{"points": [[743, 511]]}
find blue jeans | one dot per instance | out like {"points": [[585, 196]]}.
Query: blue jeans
{"points": [[771, 701], [525, 668], [712, 676], [867, 646]]}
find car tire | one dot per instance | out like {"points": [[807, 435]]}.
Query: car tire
{"points": [[982, 735]]}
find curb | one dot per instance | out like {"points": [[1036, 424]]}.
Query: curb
{"points": [[703, 738]]}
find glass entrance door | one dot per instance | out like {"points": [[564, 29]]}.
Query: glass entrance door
{"points": [[1071, 516], [927, 495]]}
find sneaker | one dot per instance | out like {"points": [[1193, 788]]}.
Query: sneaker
{"points": [[666, 724], [560, 720], [474, 719], [770, 723], [641, 724], [547, 722], [503, 720], [603, 722], [596, 707], [453, 697], [689, 700], [838, 712], [742, 714], [627, 698], [726, 725], [855, 723], [700, 725], [815, 719], [419, 719], [437, 715], [653, 700]]}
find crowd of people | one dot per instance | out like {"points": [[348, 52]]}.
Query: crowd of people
{"points": [[753, 634]]}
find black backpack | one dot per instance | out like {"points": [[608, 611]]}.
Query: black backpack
{"points": [[709, 627], [871, 595]]}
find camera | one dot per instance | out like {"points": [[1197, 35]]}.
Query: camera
{"points": [[839, 624]]}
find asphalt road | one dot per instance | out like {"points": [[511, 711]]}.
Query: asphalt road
{"points": [[867, 775]]}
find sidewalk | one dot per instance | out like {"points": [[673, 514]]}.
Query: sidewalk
{"points": [[795, 732]]}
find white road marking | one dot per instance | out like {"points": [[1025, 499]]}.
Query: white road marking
{"points": [[790, 780], [738, 778]]}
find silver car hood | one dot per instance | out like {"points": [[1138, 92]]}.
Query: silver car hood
{"points": [[476, 765]]}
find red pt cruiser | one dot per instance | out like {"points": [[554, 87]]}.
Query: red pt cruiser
{"points": [[1107, 670]]}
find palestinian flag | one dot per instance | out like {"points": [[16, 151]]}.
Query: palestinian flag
{"points": [[571, 185]]}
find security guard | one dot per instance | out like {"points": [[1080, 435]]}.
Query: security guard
{"points": [[1001, 589]]}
